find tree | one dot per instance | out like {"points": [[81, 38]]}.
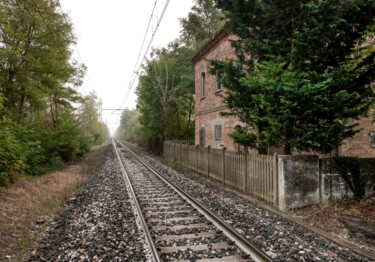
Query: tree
{"points": [[35, 58], [89, 122], [129, 125], [40, 126], [165, 100], [202, 22], [166, 86], [297, 80]]}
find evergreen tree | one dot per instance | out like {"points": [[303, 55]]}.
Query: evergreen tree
{"points": [[202, 22], [300, 74]]}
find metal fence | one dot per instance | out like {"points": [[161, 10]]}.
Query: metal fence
{"points": [[251, 173]]}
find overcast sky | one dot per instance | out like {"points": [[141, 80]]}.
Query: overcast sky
{"points": [[109, 35]]}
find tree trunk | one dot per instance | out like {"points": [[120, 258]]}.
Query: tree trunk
{"points": [[289, 135], [20, 111], [52, 116], [287, 149], [262, 151]]}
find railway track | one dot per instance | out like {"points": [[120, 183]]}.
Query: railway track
{"points": [[176, 226]]}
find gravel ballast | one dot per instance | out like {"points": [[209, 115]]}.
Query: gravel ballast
{"points": [[280, 238], [182, 233], [98, 224]]}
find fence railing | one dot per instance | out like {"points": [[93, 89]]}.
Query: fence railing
{"points": [[251, 173]]}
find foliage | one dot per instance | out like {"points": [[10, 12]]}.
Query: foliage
{"points": [[129, 126], [297, 81], [88, 118], [39, 124], [166, 86], [201, 23], [349, 169], [165, 99], [11, 157]]}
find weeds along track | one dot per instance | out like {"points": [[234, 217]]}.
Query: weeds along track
{"points": [[177, 227]]}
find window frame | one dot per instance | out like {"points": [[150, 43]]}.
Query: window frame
{"points": [[218, 132]]}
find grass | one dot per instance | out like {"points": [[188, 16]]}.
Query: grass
{"points": [[22, 203], [50, 205], [24, 245]]}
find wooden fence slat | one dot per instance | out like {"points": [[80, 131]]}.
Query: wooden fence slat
{"points": [[253, 173]]}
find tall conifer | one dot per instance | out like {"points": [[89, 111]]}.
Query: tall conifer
{"points": [[299, 75]]}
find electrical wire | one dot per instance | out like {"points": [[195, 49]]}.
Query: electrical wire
{"points": [[140, 51], [132, 80]]}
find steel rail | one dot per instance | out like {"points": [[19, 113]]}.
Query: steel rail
{"points": [[249, 248], [150, 241]]}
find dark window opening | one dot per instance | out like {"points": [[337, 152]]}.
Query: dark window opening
{"points": [[372, 134], [203, 83], [218, 80]]}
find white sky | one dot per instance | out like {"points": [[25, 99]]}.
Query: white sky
{"points": [[109, 37]]}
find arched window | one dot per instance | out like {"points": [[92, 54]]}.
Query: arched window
{"points": [[203, 83], [218, 80], [202, 136]]}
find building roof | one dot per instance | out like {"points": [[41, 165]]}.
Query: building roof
{"points": [[210, 44]]}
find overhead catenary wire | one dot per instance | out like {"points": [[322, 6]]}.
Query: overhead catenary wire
{"points": [[140, 51], [135, 72]]}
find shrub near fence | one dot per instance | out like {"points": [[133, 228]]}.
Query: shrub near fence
{"points": [[251, 173]]}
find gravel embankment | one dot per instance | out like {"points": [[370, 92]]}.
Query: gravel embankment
{"points": [[280, 238], [98, 224]]}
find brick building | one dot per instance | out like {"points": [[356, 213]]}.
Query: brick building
{"points": [[213, 130]]}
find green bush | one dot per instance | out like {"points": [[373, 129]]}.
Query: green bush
{"points": [[350, 170], [12, 157]]}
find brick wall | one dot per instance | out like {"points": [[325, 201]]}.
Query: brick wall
{"points": [[207, 108], [360, 144]]}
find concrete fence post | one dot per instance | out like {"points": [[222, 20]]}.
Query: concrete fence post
{"points": [[208, 160], [275, 180], [223, 164]]}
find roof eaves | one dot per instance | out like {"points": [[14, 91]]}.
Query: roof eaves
{"points": [[210, 44]]}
